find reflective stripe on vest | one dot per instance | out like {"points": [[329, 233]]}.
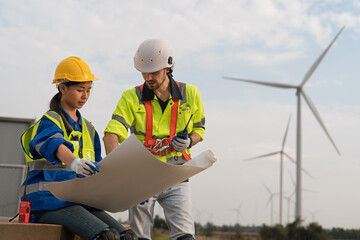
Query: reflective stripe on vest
{"points": [[31, 188], [156, 146]]}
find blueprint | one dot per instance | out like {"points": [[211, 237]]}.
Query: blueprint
{"points": [[128, 175]]}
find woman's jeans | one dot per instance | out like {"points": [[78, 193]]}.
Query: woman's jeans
{"points": [[81, 221]]}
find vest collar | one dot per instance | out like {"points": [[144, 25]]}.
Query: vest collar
{"points": [[70, 120], [148, 95]]}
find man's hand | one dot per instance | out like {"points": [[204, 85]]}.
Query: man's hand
{"points": [[84, 167], [180, 144]]}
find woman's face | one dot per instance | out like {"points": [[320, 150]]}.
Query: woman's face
{"points": [[75, 96]]}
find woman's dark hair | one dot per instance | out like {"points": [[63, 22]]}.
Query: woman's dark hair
{"points": [[55, 106]]}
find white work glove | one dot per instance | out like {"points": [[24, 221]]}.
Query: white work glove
{"points": [[84, 167], [180, 144]]}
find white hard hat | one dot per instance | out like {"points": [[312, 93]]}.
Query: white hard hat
{"points": [[153, 55]]}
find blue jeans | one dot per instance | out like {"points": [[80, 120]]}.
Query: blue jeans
{"points": [[81, 221]]}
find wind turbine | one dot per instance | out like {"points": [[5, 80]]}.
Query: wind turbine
{"points": [[313, 215], [300, 92], [282, 154], [198, 214], [271, 195], [237, 212], [210, 217], [289, 200], [292, 194]]}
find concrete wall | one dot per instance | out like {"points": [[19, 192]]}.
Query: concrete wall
{"points": [[12, 163]]}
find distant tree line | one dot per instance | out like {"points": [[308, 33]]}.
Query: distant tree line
{"points": [[339, 233], [292, 231]]}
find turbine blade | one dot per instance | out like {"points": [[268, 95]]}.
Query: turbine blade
{"points": [[261, 156], [317, 62], [286, 132], [317, 116], [269, 84], [292, 179], [240, 205], [267, 188], [307, 173], [269, 200], [292, 160], [308, 190], [292, 194], [316, 211]]}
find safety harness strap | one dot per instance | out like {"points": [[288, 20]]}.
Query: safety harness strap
{"points": [[155, 144], [149, 122]]}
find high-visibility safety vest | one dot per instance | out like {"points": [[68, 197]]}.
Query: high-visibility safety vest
{"points": [[87, 149], [154, 127]]}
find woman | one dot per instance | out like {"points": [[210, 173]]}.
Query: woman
{"points": [[61, 146]]}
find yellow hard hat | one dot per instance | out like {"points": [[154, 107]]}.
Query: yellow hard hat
{"points": [[73, 69]]}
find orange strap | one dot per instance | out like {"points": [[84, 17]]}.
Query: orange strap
{"points": [[174, 116], [149, 140], [149, 122], [186, 156]]}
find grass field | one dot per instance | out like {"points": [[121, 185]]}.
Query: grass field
{"points": [[164, 235]]}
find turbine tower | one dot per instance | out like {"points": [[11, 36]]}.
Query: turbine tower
{"points": [[282, 154], [300, 92]]}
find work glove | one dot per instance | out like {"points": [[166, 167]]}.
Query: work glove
{"points": [[180, 144], [84, 167]]}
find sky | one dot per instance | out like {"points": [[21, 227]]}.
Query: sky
{"points": [[267, 40]]}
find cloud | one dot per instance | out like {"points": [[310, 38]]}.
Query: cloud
{"points": [[94, 31], [265, 58]]}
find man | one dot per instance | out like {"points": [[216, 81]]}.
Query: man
{"points": [[157, 112]]}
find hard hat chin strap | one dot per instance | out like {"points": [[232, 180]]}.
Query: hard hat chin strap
{"points": [[170, 73]]}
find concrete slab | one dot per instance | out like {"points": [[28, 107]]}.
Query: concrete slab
{"points": [[34, 231]]}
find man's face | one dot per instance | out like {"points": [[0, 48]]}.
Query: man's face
{"points": [[156, 79]]}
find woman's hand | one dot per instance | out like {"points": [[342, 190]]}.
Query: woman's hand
{"points": [[84, 167]]}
